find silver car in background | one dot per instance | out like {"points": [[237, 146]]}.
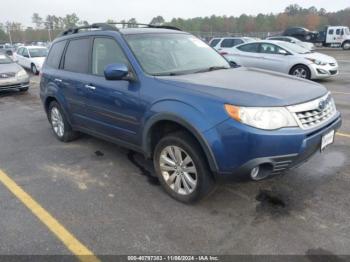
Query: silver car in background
{"points": [[12, 76], [293, 40], [284, 57], [224, 45]]}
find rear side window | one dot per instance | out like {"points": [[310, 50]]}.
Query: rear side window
{"points": [[77, 56], [54, 58], [231, 42], [252, 48], [20, 50], [25, 52], [214, 42]]}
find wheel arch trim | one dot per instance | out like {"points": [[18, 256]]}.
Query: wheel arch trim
{"points": [[146, 143]]}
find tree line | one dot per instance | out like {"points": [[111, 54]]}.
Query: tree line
{"points": [[46, 29]]}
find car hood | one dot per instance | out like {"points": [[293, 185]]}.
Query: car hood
{"points": [[249, 86], [321, 57], [9, 68], [38, 61]]}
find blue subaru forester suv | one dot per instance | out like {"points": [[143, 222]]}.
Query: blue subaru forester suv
{"points": [[165, 93]]}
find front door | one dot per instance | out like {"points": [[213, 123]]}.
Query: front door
{"points": [[113, 106]]}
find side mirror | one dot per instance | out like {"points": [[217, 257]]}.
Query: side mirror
{"points": [[116, 72]]}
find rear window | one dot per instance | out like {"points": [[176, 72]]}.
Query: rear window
{"points": [[252, 48], [231, 42], [54, 58], [77, 56], [214, 42]]}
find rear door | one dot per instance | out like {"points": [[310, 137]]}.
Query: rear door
{"points": [[25, 58], [113, 105], [248, 55], [72, 78]]}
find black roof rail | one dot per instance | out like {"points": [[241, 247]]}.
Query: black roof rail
{"points": [[146, 25], [110, 27], [101, 26]]}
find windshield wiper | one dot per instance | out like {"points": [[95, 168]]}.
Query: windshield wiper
{"points": [[212, 68], [168, 74]]}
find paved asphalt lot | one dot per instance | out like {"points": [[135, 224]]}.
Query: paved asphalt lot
{"points": [[104, 200]]}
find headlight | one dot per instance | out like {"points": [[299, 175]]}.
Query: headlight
{"points": [[317, 62], [268, 118], [21, 74]]}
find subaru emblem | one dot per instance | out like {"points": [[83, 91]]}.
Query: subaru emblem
{"points": [[322, 105]]}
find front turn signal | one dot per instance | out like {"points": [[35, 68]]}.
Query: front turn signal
{"points": [[233, 111]]}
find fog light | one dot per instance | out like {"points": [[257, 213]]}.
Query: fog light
{"points": [[254, 174], [321, 71]]}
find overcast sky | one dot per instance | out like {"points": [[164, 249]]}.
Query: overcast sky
{"points": [[145, 10]]}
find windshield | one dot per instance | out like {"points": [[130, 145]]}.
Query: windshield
{"points": [[38, 52], [294, 48], [172, 54], [4, 59]]}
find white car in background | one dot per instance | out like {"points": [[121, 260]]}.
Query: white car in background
{"points": [[31, 57], [293, 40], [225, 44], [284, 57]]}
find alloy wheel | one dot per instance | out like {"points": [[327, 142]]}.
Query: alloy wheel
{"points": [[300, 72], [178, 170], [57, 122]]}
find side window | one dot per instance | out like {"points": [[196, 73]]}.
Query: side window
{"points": [[25, 52], [251, 48], [238, 42], [228, 42], [337, 32], [54, 57], [214, 42], [267, 48], [20, 50], [106, 51], [331, 31], [77, 56]]}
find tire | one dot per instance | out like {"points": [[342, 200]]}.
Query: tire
{"points": [[198, 178], [24, 89], [34, 69], [60, 126], [346, 45], [301, 71]]}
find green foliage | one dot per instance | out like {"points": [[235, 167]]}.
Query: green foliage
{"points": [[293, 15]]}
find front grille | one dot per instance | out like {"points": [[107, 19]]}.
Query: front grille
{"points": [[7, 75], [314, 113]]}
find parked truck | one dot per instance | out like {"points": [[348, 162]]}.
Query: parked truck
{"points": [[336, 36]]}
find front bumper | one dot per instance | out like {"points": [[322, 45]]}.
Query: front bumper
{"points": [[13, 84], [324, 71], [239, 148]]}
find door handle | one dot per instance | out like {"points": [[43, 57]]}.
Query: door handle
{"points": [[58, 80], [90, 87]]}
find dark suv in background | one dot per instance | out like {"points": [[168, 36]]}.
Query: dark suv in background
{"points": [[167, 94]]}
